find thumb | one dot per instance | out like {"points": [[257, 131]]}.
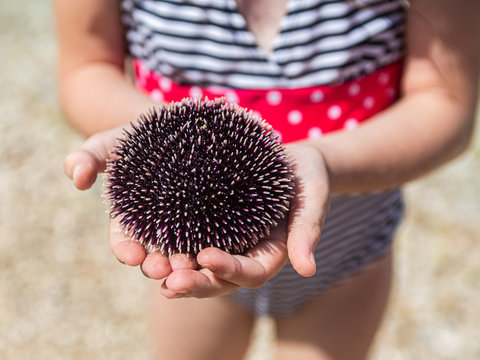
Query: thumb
{"points": [[308, 209], [83, 164], [308, 213]]}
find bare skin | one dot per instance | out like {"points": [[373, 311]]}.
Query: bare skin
{"points": [[341, 323], [438, 102], [265, 29], [188, 329]]}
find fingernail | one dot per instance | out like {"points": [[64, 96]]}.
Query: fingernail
{"points": [[181, 294], [144, 273], [312, 258], [210, 267], [75, 171]]}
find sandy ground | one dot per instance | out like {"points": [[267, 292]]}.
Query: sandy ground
{"points": [[63, 295]]}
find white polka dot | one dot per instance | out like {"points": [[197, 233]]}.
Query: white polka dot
{"points": [[140, 82], [143, 71], [256, 114], [315, 133], [383, 78], [351, 124], [156, 95], [334, 112], [195, 92], [295, 117], [354, 89], [391, 92], [274, 97], [368, 102], [166, 84], [217, 90], [316, 96], [231, 96]]}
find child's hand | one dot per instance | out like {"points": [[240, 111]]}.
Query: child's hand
{"points": [[215, 272], [221, 273]]}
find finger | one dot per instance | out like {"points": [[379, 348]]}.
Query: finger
{"points": [[252, 270], [82, 167], [307, 214], [83, 164], [126, 250], [156, 266], [239, 270], [182, 261], [192, 283]]}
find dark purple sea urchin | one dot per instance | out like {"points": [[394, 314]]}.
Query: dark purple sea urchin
{"points": [[196, 174]]}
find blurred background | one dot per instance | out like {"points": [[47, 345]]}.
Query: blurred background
{"points": [[64, 296]]}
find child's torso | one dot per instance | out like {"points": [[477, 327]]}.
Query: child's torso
{"points": [[336, 59]]}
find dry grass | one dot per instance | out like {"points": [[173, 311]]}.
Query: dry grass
{"points": [[62, 295]]}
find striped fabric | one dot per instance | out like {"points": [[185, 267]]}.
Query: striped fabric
{"points": [[204, 44], [357, 231], [207, 42]]}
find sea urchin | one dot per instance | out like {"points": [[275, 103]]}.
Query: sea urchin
{"points": [[196, 174]]}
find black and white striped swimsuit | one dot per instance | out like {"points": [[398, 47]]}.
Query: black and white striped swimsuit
{"points": [[334, 64]]}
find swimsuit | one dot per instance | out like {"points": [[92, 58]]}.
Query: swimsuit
{"points": [[334, 64]]}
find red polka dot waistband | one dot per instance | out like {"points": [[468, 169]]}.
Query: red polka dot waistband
{"points": [[296, 114]]}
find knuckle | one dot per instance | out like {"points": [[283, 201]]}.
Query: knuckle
{"points": [[259, 280], [255, 284]]}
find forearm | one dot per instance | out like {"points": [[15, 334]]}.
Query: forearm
{"points": [[413, 137], [97, 96], [95, 93], [432, 122]]}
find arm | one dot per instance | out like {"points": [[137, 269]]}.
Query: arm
{"points": [[95, 94], [431, 124], [433, 121]]}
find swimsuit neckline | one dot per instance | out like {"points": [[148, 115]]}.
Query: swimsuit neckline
{"points": [[242, 24]]}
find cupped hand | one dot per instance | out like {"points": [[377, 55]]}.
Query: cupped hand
{"points": [[214, 272], [221, 273]]}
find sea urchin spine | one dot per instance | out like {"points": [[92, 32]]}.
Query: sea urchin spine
{"points": [[196, 174]]}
